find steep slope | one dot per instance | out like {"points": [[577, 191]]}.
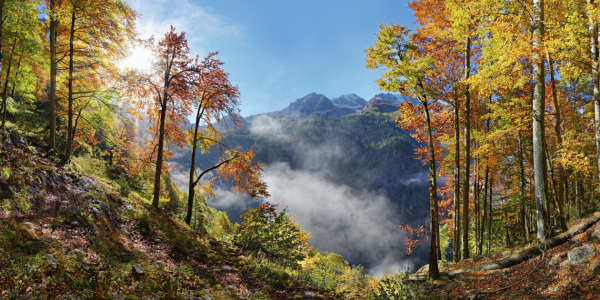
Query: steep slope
{"points": [[74, 232]]}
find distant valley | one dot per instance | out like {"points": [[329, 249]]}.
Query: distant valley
{"points": [[343, 169]]}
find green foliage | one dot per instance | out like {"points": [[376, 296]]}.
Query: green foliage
{"points": [[265, 232], [395, 286], [176, 201], [333, 272], [88, 164], [217, 225], [5, 173], [444, 239]]}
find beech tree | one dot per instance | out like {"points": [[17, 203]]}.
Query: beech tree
{"points": [[20, 45], [408, 72], [216, 101], [97, 32], [167, 95]]}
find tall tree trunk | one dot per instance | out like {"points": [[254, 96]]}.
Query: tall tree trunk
{"points": [[193, 182], [477, 204], [467, 158], [71, 57], [523, 223], [489, 242], [560, 186], [192, 185], [53, 67], [484, 205], [5, 89], [434, 272], [593, 30], [456, 222], [169, 58], [3, 128], [159, 155], [539, 157]]}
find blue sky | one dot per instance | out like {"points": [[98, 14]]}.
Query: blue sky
{"points": [[278, 51]]}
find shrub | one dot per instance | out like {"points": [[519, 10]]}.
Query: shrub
{"points": [[265, 232], [394, 286], [332, 271]]}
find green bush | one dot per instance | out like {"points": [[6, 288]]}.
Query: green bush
{"points": [[331, 271], [265, 232], [394, 286]]}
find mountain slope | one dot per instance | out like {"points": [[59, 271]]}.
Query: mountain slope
{"points": [[360, 166]]}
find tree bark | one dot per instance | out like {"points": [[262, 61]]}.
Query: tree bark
{"points": [[560, 186], [5, 88], [192, 185], [53, 67], [489, 242], [593, 30], [523, 212], [70, 124], [456, 223], [434, 272], [467, 158], [539, 156], [169, 58]]}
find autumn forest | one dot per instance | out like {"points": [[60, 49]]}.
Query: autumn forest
{"points": [[505, 117]]}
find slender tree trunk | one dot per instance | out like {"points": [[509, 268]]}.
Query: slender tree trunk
{"points": [[169, 58], [477, 204], [484, 205], [53, 67], [467, 158], [159, 155], [539, 160], [578, 196], [456, 223], [5, 89], [489, 242], [593, 30], [3, 128], [560, 186], [506, 228], [192, 184], [434, 272], [71, 57], [524, 224]]}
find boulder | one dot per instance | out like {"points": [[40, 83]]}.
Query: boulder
{"points": [[50, 261], [29, 230], [578, 255], [5, 191], [137, 270], [596, 232], [78, 254], [231, 290], [160, 264]]}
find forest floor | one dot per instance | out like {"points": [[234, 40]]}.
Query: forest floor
{"points": [[550, 275], [68, 235]]}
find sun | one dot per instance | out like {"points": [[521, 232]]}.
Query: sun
{"points": [[140, 58]]}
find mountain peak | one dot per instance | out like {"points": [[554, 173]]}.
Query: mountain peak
{"points": [[352, 101], [312, 105]]}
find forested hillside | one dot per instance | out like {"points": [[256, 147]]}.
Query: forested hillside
{"points": [[357, 160]]}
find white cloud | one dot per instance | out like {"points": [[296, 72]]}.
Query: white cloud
{"points": [[200, 23]]}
